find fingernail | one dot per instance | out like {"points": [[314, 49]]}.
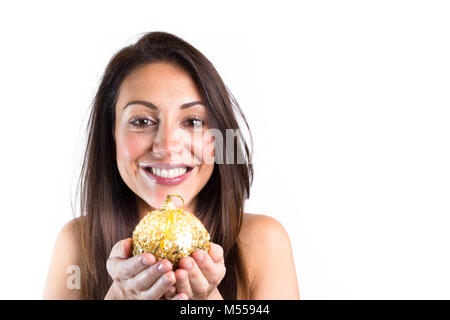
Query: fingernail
{"points": [[188, 265], [200, 256], [145, 262], [177, 297], [161, 267], [167, 279]]}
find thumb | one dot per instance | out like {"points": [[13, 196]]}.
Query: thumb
{"points": [[216, 252], [122, 249], [127, 247]]}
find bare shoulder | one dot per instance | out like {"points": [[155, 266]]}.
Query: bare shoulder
{"points": [[261, 232], [65, 261], [268, 253], [70, 231], [258, 225], [68, 239]]}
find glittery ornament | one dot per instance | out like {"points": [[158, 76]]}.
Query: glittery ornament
{"points": [[170, 233]]}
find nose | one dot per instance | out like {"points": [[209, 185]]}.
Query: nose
{"points": [[167, 142]]}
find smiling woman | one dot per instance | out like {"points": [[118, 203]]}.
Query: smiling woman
{"points": [[152, 132], [162, 145]]}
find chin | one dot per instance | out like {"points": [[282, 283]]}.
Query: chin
{"points": [[157, 198]]}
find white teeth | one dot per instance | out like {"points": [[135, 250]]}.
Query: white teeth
{"points": [[172, 173]]}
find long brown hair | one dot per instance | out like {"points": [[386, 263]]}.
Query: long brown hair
{"points": [[108, 207]]}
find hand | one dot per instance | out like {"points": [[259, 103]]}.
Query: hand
{"points": [[199, 275], [138, 277]]}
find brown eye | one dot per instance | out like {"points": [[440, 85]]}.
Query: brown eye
{"points": [[195, 122], [140, 122]]}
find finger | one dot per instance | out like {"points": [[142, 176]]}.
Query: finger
{"points": [[171, 292], [182, 282], [124, 269], [122, 249], [213, 272], [197, 281], [216, 253], [180, 296], [145, 279], [160, 287]]}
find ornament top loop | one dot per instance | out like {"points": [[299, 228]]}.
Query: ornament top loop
{"points": [[168, 203]]}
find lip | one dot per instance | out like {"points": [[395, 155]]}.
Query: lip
{"points": [[168, 181], [166, 165]]}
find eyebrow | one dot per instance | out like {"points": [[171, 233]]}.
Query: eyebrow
{"points": [[152, 106]]}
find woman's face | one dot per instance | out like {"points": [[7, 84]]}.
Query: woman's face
{"points": [[162, 142]]}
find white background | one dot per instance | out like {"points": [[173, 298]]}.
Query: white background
{"points": [[348, 102]]}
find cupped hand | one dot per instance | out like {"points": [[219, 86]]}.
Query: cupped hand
{"points": [[199, 275], [138, 277]]}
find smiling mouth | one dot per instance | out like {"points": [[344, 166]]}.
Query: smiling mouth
{"points": [[168, 173]]}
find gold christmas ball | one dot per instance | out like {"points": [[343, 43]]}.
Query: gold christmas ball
{"points": [[170, 233]]}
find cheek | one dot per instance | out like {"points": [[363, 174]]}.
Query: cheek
{"points": [[208, 150], [129, 148], [203, 149]]}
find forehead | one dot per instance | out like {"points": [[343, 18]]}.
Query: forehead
{"points": [[159, 80]]}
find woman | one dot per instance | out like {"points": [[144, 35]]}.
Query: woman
{"points": [[153, 130]]}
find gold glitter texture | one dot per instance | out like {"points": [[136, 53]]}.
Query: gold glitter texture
{"points": [[170, 233]]}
